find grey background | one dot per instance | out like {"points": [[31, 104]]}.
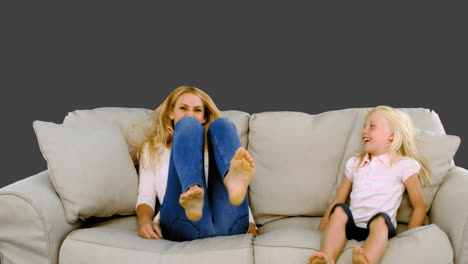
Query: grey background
{"points": [[59, 57]]}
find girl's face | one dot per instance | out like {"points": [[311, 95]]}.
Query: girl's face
{"points": [[188, 104], [376, 134]]}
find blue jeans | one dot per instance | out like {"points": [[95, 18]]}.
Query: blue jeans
{"points": [[186, 168]]}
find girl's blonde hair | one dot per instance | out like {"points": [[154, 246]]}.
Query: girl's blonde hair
{"points": [[157, 131], [404, 142]]}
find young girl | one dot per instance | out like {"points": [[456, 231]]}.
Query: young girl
{"points": [[375, 181], [197, 199]]}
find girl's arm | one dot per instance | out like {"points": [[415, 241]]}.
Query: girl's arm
{"points": [[415, 194], [340, 197]]}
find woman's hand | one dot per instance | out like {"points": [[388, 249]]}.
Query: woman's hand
{"points": [[253, 229], [149, 230]]}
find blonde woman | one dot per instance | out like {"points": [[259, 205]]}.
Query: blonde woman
{"points": [[198, 198], [375, 181]]}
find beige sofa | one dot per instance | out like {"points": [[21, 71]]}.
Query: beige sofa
{"points": [[52, 217]]}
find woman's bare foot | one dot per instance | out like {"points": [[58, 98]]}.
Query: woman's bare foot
{"points": [[319, 258], [359, 256], [239, 176], [192, 202]]}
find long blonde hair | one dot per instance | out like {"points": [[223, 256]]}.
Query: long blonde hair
{"points": [[404, 143], [158, 129]]}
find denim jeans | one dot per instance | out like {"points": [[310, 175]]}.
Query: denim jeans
{"points": [[186, 168]]}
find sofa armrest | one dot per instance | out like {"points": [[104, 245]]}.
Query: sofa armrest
{"points": [[32, 221], [450, 211]]}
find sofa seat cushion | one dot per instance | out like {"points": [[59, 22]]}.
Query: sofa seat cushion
{"points": [[294, 239], [117, 241]]}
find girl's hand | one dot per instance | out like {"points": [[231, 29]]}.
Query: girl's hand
{"points": [[323, 224], [253, 229], [149, 230]]}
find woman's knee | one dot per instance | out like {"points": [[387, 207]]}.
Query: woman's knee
{"points": [[221, 123], [188, 129], [188, 122]]}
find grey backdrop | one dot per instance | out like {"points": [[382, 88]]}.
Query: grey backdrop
{"points": [[60, 57]]}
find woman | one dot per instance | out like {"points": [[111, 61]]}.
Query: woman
{"points": [[198, 198]]}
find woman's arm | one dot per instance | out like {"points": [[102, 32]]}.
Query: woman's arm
{"points": [[415, 194], [252, 225], [340, 197], [253, 229], [147, 228], [146, 194], [144, 212], [145, 204]]}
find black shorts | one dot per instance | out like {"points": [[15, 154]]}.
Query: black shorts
{"points": [[359, 233]]}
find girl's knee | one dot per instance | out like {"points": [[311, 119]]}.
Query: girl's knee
{"points": [[339, 214], [378, 223]]}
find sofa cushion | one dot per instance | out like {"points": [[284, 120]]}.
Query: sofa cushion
{"points": [[308, 223], [424, 244], [117, 241], [90, 168], [439, 151], [296, 222], [294, 240], [297, 158]]}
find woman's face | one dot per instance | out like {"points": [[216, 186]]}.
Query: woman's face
{"points": [[188, 104]]}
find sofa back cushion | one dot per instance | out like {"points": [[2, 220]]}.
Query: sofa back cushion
{"points": [[297, 159], [439, 151], [90, 168]]}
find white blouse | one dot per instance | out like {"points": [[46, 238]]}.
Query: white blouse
{"points": [[153, 183]]}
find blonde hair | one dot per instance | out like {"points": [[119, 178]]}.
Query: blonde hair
{"points": [[403, 144], [157, 131]]}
